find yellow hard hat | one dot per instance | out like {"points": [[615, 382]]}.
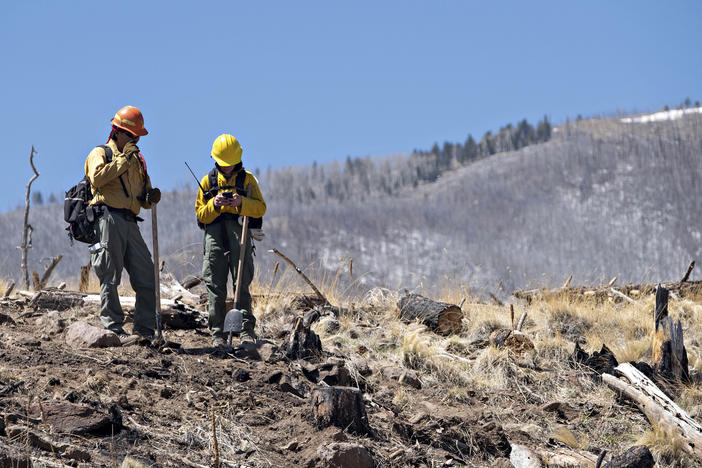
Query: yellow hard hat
{"points": [[226, 150]]}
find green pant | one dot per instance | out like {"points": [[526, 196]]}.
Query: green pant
{"points": [[220, 257], [123, 247]]}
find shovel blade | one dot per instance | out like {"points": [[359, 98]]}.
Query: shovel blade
{"points": [[232, 321]]}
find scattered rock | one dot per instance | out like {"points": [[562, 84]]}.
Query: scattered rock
{"points": [[287, 385], [77, 419], [76, 453], [362, 365], [292, 446], [84, 335], [247, 350], [269, 352], [523, 457], [417, 418], [6, 320], [638, 456], [346, 455], [409, 378], [24, 436], [562, 410], [166, 392], [334, 374], [502, 463], [133, 462], [403, 376], [274, 377], [329, 325], [241, 375]]}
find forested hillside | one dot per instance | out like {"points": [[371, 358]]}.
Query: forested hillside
{"points": [[524, 206]]}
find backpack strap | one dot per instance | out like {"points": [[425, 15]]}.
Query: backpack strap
{"points": [[108, 159], [239, 182]]}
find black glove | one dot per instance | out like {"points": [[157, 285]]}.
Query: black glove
{"points": [[153, 196], [130, 148]]}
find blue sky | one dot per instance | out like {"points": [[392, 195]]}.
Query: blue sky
{"points": [[303, 81]]}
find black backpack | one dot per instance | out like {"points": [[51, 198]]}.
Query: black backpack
{"points": [[77, 211], [254, 223]]}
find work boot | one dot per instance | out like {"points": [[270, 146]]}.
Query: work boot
{"points": [[126, 339], [219, 342], [248, 335]]}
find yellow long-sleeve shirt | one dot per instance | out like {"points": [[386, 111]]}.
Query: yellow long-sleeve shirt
{"points": [[251, 205], [105, 179]]}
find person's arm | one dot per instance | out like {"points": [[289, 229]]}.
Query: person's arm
{"points": [[100, 172], [205, 210], [253, 204]]}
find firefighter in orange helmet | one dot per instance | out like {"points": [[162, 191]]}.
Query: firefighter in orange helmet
{"points": [[121, 187]]}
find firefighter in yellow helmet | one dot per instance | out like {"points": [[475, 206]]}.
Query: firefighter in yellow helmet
{"points": [[121, 187], [228, 192]]}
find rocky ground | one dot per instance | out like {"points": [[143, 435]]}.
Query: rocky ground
{"points": [[429, 401]]}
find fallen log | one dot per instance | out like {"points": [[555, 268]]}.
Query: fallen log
{"points": [[175, 315], [601, 294], [656, 406], [668, 347], [172, 289], [522, 456], [440, 317]]}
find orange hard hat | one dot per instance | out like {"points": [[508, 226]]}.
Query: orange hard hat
{"points": [[129, 118]]}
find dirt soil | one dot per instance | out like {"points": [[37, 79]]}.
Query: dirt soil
{"points": [[155, 407]]}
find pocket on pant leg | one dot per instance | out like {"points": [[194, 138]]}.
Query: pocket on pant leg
{"points": [[102, 264]]}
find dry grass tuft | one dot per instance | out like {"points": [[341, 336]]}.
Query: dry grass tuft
{"points": [[666, 447], [566, 436]]}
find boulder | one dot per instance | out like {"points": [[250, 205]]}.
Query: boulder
{"points": [[84, 335], [345, 455]]}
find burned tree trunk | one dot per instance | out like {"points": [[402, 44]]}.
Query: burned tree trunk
{"points": [[47, 272], [27, 230], [442, 318], [341, 407], [668, 348], [302, 342]]}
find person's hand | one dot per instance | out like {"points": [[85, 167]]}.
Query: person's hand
{"points": [[220, 200], [235, 200], [130, 148], [153, 196]]}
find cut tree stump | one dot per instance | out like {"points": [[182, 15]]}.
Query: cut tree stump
{"points": [[668, 347], [440, 317], [660, 410], [341, 407]]}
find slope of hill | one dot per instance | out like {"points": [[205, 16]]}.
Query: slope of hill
{"points": [[428, 400], [602, 198]]}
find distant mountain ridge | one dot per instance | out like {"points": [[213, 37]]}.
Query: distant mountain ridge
{"points": [[601, 198]]}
